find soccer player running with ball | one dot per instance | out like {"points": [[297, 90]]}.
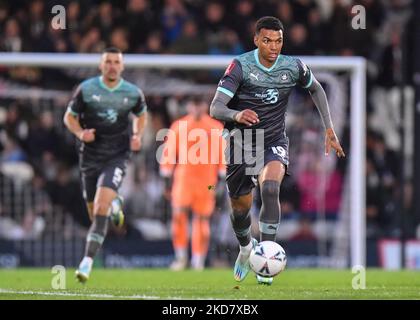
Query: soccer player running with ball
{"points": [[253, 94], [98, 115]]}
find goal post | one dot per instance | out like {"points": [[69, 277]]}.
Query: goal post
{"points": [[355, 66]]}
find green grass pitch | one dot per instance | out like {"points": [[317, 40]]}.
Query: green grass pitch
{"points": [[154, 284]]}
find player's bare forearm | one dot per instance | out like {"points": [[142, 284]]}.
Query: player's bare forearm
{"points": [[72, 123], [139, 123]]}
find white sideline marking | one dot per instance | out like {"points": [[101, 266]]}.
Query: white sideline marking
{"points": [[87, 295]]}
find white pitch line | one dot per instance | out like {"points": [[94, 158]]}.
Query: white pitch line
{"points": [[92, 295], [87, 295]]}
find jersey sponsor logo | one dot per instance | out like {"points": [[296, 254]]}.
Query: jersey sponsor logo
{"points": [[269, 96], [96, 97], [230, 68], [109, 115], [255, 76]]}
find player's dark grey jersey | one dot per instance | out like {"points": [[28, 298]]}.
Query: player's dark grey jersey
{"points": [[263, 90], [106, 110]]}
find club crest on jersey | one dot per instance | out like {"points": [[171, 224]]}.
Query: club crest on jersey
{"points": [[269, 96], [284, 77]]}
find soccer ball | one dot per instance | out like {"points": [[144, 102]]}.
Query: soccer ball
{"points": [[268, 259]]}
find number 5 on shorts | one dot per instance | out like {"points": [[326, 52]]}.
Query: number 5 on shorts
{"points": [[118, 175]]}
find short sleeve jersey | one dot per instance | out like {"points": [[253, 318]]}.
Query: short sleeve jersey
{"points": [[106, 110]]}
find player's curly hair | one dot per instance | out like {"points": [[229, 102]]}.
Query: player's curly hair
{"points": [[270, 23]]}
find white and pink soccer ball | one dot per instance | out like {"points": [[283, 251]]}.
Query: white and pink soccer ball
{"points": [[268, 259]]}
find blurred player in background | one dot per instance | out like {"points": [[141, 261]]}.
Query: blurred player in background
{"points": [[192, 160], [253, 94], [98, 115]]}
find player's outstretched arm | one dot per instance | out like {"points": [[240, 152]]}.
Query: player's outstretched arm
{"points": [[320, 99]]}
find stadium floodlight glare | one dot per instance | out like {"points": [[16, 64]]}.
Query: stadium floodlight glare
{"points": [[356, 66]]}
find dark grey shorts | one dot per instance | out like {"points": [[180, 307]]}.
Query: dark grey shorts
{"points": [[109, 174], [241, 178]]}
